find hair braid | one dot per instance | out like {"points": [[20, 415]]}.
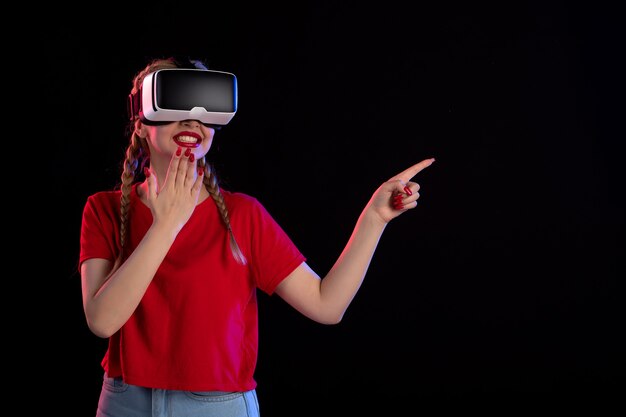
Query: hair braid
{"points": [[134, 158], [212, 185]]}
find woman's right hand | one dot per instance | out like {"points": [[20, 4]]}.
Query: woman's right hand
{"points": [[173, 204]]}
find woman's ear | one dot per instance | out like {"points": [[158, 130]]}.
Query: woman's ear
{"points": [[140, 130]]}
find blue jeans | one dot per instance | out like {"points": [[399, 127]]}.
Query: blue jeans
{"points": [[119, 399]]}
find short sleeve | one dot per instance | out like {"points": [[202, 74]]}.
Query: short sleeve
{"points": [[99, 229], [274, 254]]}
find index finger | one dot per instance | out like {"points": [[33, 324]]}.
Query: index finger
{"points": [[412, 171]]}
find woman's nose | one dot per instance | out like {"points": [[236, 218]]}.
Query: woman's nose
{"points": [[190, 123]]}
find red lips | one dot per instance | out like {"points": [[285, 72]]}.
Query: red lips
{"points": [[188, 139]]}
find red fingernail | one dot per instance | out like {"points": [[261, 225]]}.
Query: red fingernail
{"points": [[179, 151], [200, 171], [398, 206], [408, 190], [187, 151], [146, 172], [191, 157]]}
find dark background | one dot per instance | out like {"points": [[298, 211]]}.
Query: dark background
{"points": [[502, 284]]}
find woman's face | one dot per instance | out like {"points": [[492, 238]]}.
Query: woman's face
{"points": [[164, 140]]}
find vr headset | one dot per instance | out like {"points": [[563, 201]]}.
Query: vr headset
{"points": [[171, 95]]}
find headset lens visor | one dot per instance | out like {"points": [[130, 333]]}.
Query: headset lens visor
{"points": [[185, 89]]}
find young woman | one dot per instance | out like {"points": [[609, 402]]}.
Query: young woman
{"points": [[170, 263]]}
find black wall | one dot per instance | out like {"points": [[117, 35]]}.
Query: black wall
{"points": [[501, 284]]}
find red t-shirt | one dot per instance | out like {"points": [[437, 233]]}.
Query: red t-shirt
{"points": [[196, 327]]}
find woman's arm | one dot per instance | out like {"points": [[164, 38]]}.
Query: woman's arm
{"points": [[326, 300], [110, 295]]}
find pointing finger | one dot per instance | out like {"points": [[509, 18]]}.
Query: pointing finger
{"points": [[412, 171]]}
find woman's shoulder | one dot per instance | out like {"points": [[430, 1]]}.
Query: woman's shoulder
{"points": [[104, 198], [239, 199], [243, 205]]}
